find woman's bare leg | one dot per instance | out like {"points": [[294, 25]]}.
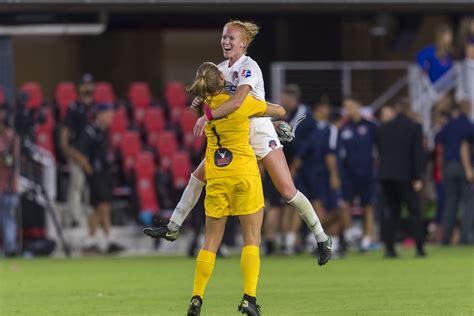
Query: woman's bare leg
{"points": [[277, 168]]}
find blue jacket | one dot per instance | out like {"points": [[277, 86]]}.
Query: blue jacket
{"points": [[357, 141], [430, 63]]}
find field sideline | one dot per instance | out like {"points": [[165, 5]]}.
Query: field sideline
{"points": [[442, 284]]}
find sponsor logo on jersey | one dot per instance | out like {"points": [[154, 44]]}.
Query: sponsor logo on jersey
{"points": [[346, 134], [246, 73], [362, 130], [272, 144], [222, 157], [230, 88]]}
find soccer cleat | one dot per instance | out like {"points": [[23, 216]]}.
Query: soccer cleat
{"points": [[91, 250], [248, 308], [194, 308], [161, 232], [114, 248], [324, 251]]}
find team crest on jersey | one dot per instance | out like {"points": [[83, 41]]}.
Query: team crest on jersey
{"points": [[235, 77], [362, 130], [222, 157], [346, 134], [246, 73], [272, 144]]}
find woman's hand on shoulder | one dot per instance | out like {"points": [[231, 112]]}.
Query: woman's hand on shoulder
{"points": [[200, 125]]}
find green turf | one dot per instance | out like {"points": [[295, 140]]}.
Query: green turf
{"points": [[441, 284]]}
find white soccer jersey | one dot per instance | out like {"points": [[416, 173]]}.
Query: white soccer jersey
{"points": [[243, 71], [263, 137]]}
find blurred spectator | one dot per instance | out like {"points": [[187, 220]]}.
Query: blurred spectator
{"points": [[387, 113], [400, 173], [94, 144], [8, 194], [454, 178], [467, 158], [436, 59], [78, 115], [465, 32], [465, 87], [357, 140], [315, 167], [280, 214], [441, 119]]}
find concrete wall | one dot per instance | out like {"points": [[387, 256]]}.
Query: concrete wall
{"points": [[118, 56]]}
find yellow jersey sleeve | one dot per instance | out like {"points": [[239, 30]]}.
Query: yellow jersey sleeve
{"points": [[252, 107]]}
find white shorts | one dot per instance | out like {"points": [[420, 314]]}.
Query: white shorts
{"points": [[263, 137]]}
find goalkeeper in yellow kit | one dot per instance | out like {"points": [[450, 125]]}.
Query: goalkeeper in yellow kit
{"points": [[234, 186]]}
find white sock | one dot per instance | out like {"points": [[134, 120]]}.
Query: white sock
{"points": [[91, 241], [290, 240], [308, 214], [187, 202], [366, 240]]}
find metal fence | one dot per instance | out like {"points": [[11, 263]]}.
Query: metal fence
{"points": [[373, 82]]}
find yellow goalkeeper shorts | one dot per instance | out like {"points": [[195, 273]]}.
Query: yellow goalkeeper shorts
{"points": [[233, 196]]}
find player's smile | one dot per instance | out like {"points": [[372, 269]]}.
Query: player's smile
{"points": [[231, 42]]}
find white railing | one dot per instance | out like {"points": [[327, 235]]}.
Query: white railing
{"points": [[338, 77]]}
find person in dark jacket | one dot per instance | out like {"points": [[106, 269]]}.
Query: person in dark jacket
{"points": [[467, 217], [456, 181], [399, 143], [94, 144]]}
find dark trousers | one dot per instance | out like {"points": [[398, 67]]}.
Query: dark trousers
{"points": [[395, 193], [459, 194]]}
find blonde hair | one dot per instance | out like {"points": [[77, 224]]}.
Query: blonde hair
{"points": [[465, 31], [441, 48], [248, 29], [207, 81]]}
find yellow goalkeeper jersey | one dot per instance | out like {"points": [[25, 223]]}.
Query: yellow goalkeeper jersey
{"points": [[228, 151]]}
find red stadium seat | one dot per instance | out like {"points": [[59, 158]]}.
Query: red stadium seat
{"points": [[180, 169], [65, 95], [176, 95], [154, 120], [145, 165], [130, 146], [104, 93], [187, 119], [139, 94], [154, 123], [35, 99], [44, 132], [166, 147], [145, 182], [119, 126]]}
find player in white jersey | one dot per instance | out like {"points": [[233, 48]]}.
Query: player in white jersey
{"points": [[244, 76]]}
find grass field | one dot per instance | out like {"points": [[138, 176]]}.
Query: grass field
{"points": [[441, 284]]}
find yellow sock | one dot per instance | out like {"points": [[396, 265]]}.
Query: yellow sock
{"points": [[204, 266], [250, 265]]}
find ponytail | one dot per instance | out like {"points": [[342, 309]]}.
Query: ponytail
{"points": [[206, 82]]}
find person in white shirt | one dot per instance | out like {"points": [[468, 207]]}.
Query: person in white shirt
{"points": [[243, 76], [465, 86]]}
